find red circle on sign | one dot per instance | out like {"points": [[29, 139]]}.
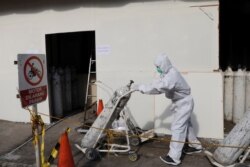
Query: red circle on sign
{"points": [[34, 71]]}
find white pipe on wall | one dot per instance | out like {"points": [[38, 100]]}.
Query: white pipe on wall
{"points": [[239, 95], [228, 95]]}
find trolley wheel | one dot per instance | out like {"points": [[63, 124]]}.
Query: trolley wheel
{"points": [[91, 154], [132, 156], [241, 165], [135, 141], [240, 157]]}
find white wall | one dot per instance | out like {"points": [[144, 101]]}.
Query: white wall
{"points": [[133, 32]]}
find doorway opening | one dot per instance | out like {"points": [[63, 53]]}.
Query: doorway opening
{"points": [[68, 60]]}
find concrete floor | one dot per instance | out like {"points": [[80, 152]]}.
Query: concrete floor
{"points": [[19, 134]]}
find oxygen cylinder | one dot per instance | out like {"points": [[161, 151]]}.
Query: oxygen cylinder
{"points": [[74, 83], [228, 95], [62, 84], [68, 101], [239, 95], [247, 106], [57, 94], [238, 138]]}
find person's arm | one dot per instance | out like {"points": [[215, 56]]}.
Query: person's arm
{"points": [[148, 89], [156, 87]]}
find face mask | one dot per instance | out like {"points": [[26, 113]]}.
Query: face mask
{"points": [[159, 70]]}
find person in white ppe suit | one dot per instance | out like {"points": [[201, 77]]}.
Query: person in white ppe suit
{"points": [[175, 88]]}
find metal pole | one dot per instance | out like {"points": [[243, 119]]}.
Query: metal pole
{"points": [[36, 136]]}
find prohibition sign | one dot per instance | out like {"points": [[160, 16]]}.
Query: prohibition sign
{"points": [[33, 70]]}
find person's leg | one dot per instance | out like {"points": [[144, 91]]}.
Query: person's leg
{"points": [[191, 137], [179, 127], [194, 145]]}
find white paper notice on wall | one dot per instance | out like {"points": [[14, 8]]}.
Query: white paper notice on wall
{"points": [[103, 50]]}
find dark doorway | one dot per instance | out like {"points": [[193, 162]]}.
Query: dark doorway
{"points": [[234, 34], [68, 59]]}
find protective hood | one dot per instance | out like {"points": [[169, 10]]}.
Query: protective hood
{"points": [[163, 63]]}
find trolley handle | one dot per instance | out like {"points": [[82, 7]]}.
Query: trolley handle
{"points": [[131, 82]]}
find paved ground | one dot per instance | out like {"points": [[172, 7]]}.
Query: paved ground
{"points": [[19, 134]]}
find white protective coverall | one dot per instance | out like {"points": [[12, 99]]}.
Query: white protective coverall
{"points": [[175, 88]]}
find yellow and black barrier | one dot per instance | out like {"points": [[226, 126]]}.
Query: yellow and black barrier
{"points": [[36, 122]]}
